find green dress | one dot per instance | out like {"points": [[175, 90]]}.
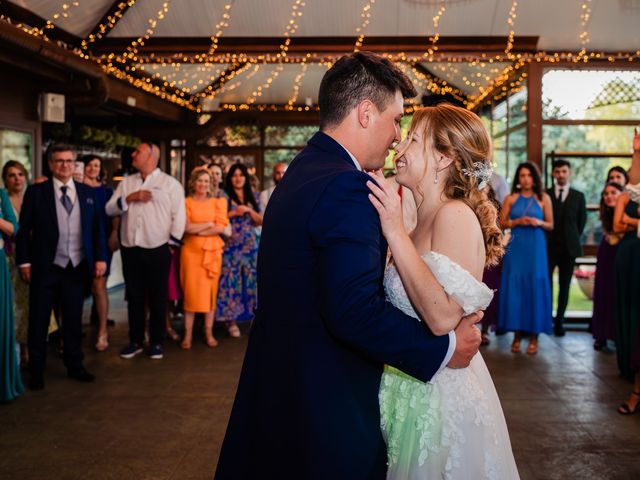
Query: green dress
{"points": [[627, 300], [11, 382]]}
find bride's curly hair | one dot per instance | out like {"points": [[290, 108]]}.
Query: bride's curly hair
{"points": [[460, 135]]}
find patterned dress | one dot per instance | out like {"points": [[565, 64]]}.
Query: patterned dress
{"points": [[237, 294]]}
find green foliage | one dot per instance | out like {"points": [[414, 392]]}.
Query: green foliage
{"points": [[87, 136]]}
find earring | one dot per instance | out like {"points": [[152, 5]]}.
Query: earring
{"points": [[435, 180]]}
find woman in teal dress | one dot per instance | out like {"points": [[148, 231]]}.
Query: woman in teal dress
{"points": [[525, 293], [11, 382]]}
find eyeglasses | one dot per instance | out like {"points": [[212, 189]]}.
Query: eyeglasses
{"points": [[67, 161]]}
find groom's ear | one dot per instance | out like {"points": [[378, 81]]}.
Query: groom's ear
{"points": [[365, 111]]}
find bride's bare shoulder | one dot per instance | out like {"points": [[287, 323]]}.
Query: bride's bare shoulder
{"points": [[456, 212]]}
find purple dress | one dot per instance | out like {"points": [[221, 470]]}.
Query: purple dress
{"points": [[603, 292], [492, 277]]}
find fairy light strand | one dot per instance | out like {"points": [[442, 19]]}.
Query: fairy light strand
{"points": [[436, 31], [511, 21], [585, 16], [366, 19]]}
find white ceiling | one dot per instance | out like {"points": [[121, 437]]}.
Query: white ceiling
{"points": [[614, 26]]}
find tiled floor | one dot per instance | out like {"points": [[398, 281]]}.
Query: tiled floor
{"points": [[165, 419]]}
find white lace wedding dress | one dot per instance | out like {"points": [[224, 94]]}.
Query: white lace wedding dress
{"points": [[453, 427]]}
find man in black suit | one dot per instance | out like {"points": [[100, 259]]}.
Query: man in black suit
{"points": [[60, 245], [563, 242]]}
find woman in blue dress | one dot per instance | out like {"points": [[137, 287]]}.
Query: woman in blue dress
{"points": [[93, 178], [525, 293], [237, 294], [10, 380]]}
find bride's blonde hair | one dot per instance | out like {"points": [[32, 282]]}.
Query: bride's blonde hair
{"points": [[460, 135]]}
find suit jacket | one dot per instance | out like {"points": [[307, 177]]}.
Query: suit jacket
{"points": [[568, 231], [307, 400], [37, 238]]}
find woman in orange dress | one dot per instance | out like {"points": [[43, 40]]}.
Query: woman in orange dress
{"points": [[201, 253]]}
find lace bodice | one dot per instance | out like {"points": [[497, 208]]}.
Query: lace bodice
{"points": [[452, 428], [471, 294]]}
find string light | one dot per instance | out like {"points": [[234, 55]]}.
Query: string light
{"points": [[585, 15], [296, 86], [104, 28], [208, 69], [511, 20], [366, 18], [132, 48], [436, 32], [290, 29], [501, 82]]}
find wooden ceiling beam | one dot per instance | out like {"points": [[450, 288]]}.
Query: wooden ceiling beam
{"points": [[19, 14], [189, 47]]}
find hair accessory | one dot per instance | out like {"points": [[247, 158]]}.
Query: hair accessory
{"points": [[482, 171]]}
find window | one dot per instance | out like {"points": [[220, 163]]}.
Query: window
{"points": [[17, 145], [591, 94]]}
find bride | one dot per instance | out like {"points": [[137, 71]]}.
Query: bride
{"points": [[452, 428]]}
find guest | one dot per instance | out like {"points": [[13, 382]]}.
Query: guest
{"points": [[500, 187], [151, 206], [277, 174], [201, 260], [11, 383], [217, 176], [525, 296], [60, 244], [492, 275], [92, 169], [563, 242], [627, 267], [174, 291], [603, 290], [618, 175], [237, 294], [14, 177]]}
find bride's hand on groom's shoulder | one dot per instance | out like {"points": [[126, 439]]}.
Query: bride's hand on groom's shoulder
{"points": [[468, 338], [386, 201]]}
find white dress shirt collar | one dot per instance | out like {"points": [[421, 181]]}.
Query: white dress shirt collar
{"points": [[71, 190], [353, 158], [565, 190]]}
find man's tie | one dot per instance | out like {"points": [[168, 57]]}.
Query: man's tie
{"points": [[559, 198], [66, 201]]}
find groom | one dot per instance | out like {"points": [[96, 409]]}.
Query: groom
{"points": [[307, 401]]}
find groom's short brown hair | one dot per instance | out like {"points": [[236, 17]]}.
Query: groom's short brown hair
{"points": [[356, 77]]}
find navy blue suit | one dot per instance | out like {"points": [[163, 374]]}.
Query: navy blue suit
{"points": [[36, 244], [307, 400]]}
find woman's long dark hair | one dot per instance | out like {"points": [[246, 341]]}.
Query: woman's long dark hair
{"points": [[535, 173], [249, 198], [606, 213]]}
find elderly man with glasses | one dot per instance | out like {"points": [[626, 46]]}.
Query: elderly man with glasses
{"points": [[60, 244]]}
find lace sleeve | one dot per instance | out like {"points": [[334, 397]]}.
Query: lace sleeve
{"points": [[459, 284]]}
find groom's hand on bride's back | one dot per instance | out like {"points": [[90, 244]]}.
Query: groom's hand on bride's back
{"points": [[468, 338]]}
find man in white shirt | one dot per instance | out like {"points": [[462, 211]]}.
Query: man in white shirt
{"points": [[151, 205], [277, 174]]}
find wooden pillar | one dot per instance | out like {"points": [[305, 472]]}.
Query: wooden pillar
{"points": [[534, 113]]}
